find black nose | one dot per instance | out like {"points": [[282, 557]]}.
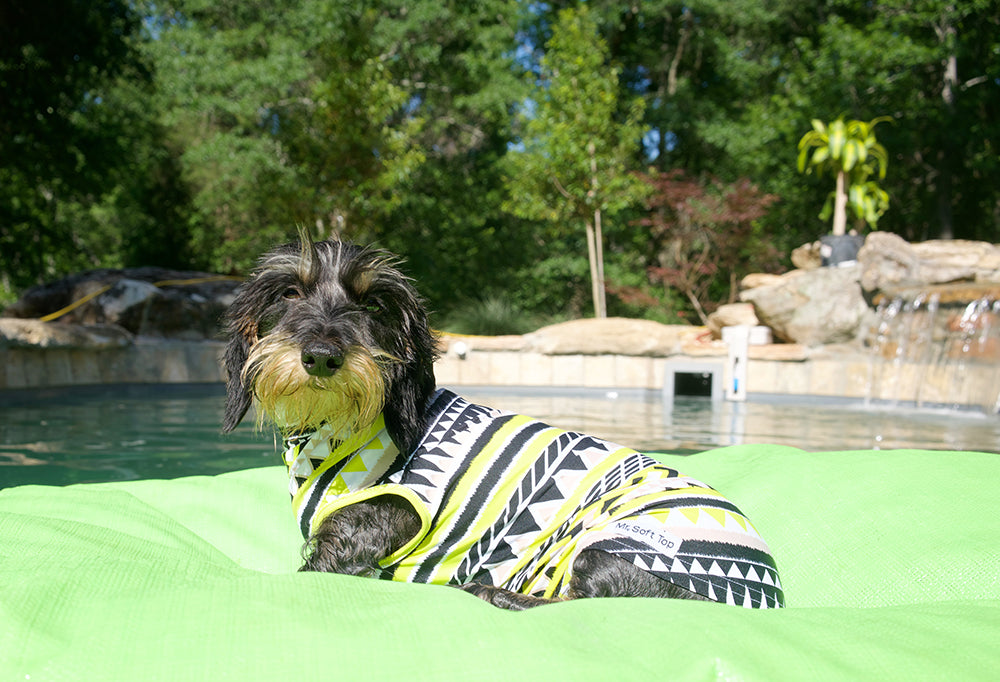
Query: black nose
{"points": [[321, 362]]}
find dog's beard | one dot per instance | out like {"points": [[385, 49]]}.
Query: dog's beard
{"points": [[349, 400]]}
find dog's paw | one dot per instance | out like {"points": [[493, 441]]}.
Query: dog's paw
{"points": [[504, 599]]}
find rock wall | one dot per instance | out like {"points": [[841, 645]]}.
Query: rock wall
{"points": [[142, 301], [142, 325], [819, 306], [35, 354]]}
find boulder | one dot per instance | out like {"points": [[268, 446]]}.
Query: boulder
{"points": [[18, 333], [144, 301], [808, 256], [759, 279], [889, 262], [610, 336], [953, 260], [731, 315], [812, 307]]}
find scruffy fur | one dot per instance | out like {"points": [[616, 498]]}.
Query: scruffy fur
{"points": [[331, 332]]}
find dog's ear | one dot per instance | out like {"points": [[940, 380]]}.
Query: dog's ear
{"points": [[406, 406], [238, 398], [412, 383]]}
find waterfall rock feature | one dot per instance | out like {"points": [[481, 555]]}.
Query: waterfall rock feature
{"points": [[889, 262], [821, 306], [731, 315], [812, 307]]}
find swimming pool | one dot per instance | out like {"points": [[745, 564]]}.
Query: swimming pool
{"points": [[124, 432]]}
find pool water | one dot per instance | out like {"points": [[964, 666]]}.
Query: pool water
{"points": [[125, 432], [63, 436], [642, 420]]}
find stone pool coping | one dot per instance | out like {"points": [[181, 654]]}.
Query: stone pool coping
{"points": [[534, 360]]}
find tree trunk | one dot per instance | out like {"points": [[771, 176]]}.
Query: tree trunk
{"points": [[602, 304], [595, 240], [595, 280], [948, 35], [840, 206]]}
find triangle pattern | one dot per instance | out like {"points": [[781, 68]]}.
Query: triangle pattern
{"points": [[524, 524], [543, 513], [692, 514], [355, 465], [738, 519], [718, 515], [572, 462], [500, 554]]}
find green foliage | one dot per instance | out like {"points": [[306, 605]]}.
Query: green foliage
{"points": [[477, 139], [578, 136], [64, 144], [850, 151], [493, 315], [843, 146], [578, 141], [703, 233]]}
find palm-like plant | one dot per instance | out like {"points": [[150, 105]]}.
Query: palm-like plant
{"points": [[850, 151]]}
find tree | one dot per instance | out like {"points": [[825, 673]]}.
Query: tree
{"points": [[701, 235], [187, 132], [227, 74], [579, 139], [852, 154], [941, 152], [65, 144], [327, 114]]}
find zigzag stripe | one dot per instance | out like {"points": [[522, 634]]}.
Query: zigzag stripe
{"points": [[464, 512], [688, 500], [532, 485], [316, 495]]}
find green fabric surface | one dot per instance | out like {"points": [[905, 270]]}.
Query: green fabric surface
{"points": [[890, 562]]}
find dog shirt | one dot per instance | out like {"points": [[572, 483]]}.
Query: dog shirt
{"points": [[506, 500]]}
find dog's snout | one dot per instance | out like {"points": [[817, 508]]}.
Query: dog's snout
{"points": [[322, 361]]}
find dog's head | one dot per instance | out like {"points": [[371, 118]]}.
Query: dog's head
{"points": [[330, 332]]}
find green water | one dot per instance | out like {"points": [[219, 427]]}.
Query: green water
{"points": [[63, 436]]}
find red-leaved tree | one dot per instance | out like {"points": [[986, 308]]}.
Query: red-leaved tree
{"points": [[703, 236]]}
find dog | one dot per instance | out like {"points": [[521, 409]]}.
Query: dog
{"points": [[393, 478]]}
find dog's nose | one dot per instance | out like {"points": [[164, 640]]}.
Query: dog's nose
{"points": [[321, 362]]}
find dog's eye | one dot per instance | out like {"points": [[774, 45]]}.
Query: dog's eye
{"points": [[291, 294], [373, 307]]}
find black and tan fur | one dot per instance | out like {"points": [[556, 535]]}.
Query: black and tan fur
{"points": [[330, 332]]}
